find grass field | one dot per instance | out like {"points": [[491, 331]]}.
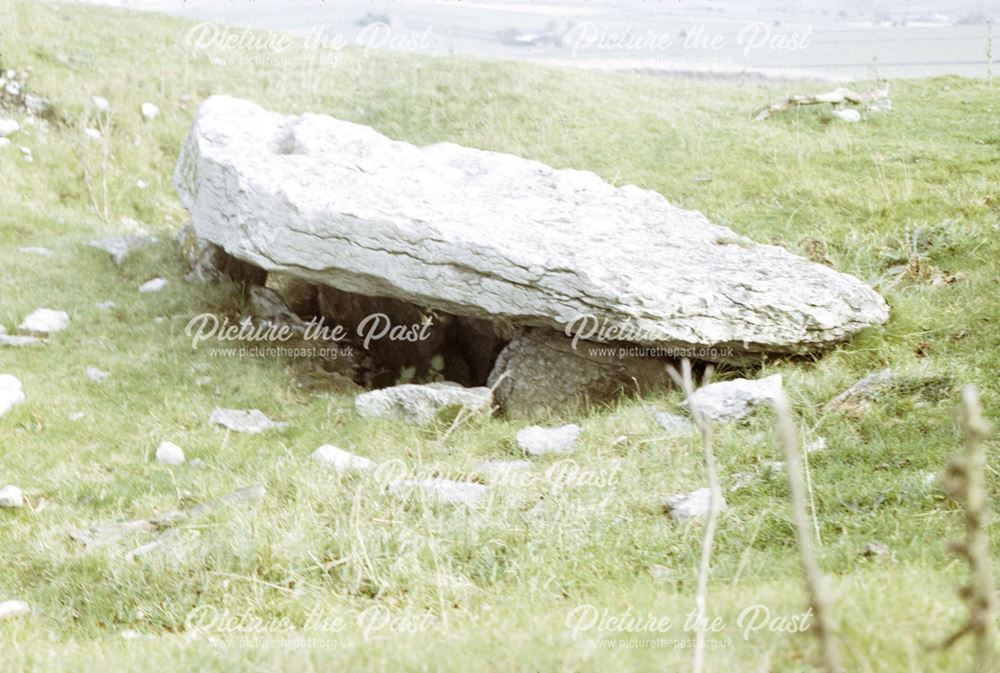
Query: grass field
{"points": [[428, 587]]}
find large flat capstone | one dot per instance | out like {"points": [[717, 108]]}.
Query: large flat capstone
{"points": [[491, 235]]}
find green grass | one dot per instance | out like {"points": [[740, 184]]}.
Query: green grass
{"points": [[497, 581]]}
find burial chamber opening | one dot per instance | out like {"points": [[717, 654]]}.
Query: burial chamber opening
{"points": [[390, 341], [532, 371]]}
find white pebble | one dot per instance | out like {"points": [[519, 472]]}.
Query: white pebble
{"points": [[11, 609], [341, 460], [96, 375], [11, 393], [849, 116], [154, 285], [169, 453], [149, 111], [45, 320], [11, 496]]}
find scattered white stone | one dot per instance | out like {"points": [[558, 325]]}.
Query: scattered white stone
{"points": [[36, 250], [776, 467], [77, 416], [734, 400], [93, 134], [11, 496], [169, 453], [100, 104], [149, 111], [694, 505], [130, 634], [420, 403], [26, 154], [8, 126], [4, 142], [251, 421], [154, 285], [675, 425], [818, 444], [14, 340], [104, 304], [535, 440], [141, 184], [442, 490], [11, 393], [203, 380], [96, 375], [11, 609], [740, 480], [849, 116], [341, 460], [45, 321], [120, 247]]}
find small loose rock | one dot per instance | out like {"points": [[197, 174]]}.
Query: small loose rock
{"points": [[169, 453], [45, 321], [250, 421], [11, 497], [675, 425], [419, 404], [442, 490], [849, 116], [12, 609], [96, 375], [120, 247], [8, 127], [734, 400], [11, 392], [341, 460], [154, 285], [535, 440], [687, 506]]}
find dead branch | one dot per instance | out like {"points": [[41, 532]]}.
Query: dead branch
{"points": [[838, 96], [810, 567], [964, 482], [685, 381]]}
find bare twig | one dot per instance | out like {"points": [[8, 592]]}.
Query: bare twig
{"points": [[685, 381], [964, 481], [810, 567]]}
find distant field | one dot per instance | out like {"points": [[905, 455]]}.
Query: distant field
{"points": [[827, 39], [908, 201]]}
